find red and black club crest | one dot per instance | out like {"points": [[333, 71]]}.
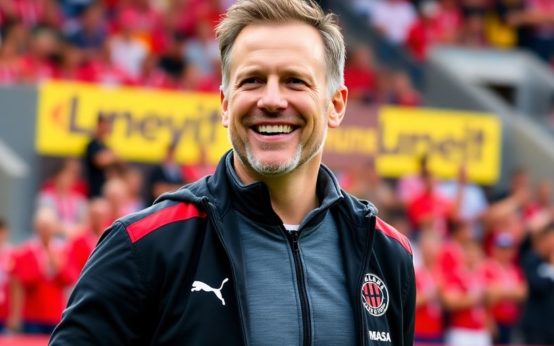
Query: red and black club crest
{"points": [[375, 295]]}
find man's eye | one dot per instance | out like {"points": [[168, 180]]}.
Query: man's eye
{"points": [[250, 81], [293, 80]]}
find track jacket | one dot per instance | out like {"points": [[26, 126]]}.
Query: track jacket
{"points": [[138, 286]]}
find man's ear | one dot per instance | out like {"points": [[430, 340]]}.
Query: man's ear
{"points": [[338, 107], [224, 108]]}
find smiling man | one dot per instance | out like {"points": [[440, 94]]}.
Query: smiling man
{"points": [[269, 250]]}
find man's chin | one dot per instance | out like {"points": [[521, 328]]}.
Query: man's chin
{"points": [[271, 166]]}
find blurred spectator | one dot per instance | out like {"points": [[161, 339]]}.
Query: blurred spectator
{"points": [[6, 263], [171, 60], [71, 64], [540, 14], [506, 288], [79, 184], [192, 80], [99, 158], [200, 169], [145, 20], [424, 33], [359, 74], [153, 76], [393, 18], [364, 182], [165, 177], [473, 33], [28, 11], [74, 8], [69, 205], [91, 31], [15, 32], [505, 213], [202, 50], [11, 68], [101, 70], [429, 315], [430, 209], [463, 294], [504, 23], [128, 50], [81, 246], [40, 275], [134, 179], [191, 12], [116, 193], [452, 255], [39, 62], [469, 200], [52, 15], [542, 201], [538, 266], [411, 186], [439, 23], [403, 91], [449, 21]]}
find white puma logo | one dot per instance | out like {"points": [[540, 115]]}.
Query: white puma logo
{"points": [[200, 286]]}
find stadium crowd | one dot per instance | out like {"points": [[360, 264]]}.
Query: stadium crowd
{"points": [[484, 259]]}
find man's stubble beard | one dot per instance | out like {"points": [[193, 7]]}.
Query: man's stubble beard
{"points": [[273, 169], [277, 169]]}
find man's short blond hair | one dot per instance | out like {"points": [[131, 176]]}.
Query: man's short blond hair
{"points": [[246, 12]]}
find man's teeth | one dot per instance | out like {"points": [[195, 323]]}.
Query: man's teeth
{"points": [[274, 129]]}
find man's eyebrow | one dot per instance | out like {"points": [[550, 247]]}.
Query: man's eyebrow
{"points": [[248, 71]]}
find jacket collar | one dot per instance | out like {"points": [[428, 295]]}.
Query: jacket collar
{"points": [[253, 200]]}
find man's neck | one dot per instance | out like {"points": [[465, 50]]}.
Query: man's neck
{"points": [[293, 195]]}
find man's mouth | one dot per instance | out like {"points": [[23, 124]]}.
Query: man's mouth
{"points": [[273, 130]]}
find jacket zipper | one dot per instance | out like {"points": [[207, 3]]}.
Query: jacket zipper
{"points": [[304, 303], [233, 272], [365, 266]]}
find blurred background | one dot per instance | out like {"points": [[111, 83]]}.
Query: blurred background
{"points": [[106, 104]]}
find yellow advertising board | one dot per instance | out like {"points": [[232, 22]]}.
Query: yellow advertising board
{"points": [[449, 139], [144, 121]]}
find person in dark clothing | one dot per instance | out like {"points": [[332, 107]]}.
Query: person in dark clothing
{"points": [[165, 177], [269, 250], [99, 158], [538, 266]]}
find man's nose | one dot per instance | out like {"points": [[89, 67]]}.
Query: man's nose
{"points": [[272, 99]]}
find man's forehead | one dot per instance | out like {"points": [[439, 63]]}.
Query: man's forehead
{"points": [[276, 38], [257, 30]]}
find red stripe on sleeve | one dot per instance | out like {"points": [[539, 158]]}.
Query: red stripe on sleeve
{"points": [[150, 223], [393, 233]]}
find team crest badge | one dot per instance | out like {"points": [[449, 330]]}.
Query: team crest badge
{"points": [[375, 295]]}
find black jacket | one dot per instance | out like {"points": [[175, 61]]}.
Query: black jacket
{"points": [[135, 288]]}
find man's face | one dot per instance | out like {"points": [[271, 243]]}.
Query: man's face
{"points": [[277, 106]]}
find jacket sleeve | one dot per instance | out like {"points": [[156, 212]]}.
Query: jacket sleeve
{"points": [[409, 305], [106, 304]]}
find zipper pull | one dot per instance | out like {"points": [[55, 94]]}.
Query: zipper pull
{"points": [[293, 236]]}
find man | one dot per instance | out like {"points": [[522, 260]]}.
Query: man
{"points": [[80, 247], [538, 266], [165, 177], [268, 250], [40, 276], [99, 157]]}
